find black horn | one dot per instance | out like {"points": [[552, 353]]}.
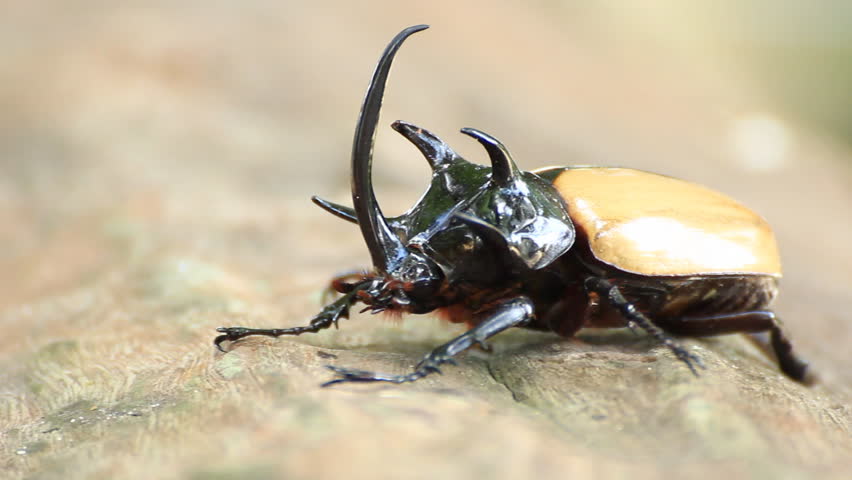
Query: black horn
{"points": [[386, 249], [339, 211], [503, 168], [436, 151]]}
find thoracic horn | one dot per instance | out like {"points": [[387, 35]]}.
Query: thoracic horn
{"points": [[436, 151], [386, 249], [340, 211], [503, 168]]}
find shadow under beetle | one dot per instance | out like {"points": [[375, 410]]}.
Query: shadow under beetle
{"points": [[557, 249]]}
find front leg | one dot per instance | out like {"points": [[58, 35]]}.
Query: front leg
{"points": [[329, 316], [514, 312]]}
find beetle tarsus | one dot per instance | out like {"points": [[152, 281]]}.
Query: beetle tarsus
{"points": [[329, 316], [513, 312], [690, 359], [363, 376], [358, 376], [231, 334], [430, 364], [612, 294], [791, 365]]}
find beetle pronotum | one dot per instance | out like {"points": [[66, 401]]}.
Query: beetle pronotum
{"points": [[556, 249]]}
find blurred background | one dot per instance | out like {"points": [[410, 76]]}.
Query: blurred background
{"points": [[157, 159], [190, 104]]}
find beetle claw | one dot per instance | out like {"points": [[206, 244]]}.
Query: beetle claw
{"points": [[690, 359], [230, 334], [347, 375]]}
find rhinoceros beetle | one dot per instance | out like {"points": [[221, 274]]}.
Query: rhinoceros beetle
{"points": [[556, 249]]}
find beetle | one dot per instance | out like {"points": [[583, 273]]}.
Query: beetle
{"points": [[556, 249]]}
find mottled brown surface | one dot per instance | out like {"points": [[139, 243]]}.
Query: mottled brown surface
{"points": [[155, 166]]}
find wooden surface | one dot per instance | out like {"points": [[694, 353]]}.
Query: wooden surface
{"points": [[156, 163]]}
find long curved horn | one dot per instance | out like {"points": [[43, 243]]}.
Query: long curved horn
{"points": [[503, 168], [386, 249]]}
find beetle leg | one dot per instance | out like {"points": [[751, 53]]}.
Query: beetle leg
{"points": [[511, 313], [329, 316], [634, 328], [790, 364], [754, 324], [611, 294]]}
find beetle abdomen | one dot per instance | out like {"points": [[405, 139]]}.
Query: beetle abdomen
{"points": [[715, 295], [655, 225]]}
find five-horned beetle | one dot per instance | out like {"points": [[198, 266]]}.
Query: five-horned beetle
{"points": [[556, 249]]}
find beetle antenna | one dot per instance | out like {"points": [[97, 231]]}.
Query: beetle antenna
{"points": [[386, 249], [503, 168], [436, 151]]}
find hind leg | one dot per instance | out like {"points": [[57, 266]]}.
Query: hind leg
{"points": [[755, 324]]}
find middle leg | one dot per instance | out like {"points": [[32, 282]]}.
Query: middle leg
{"points": [[611, 294], [755, 324]]}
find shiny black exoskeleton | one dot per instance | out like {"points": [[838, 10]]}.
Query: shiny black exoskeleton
{"points": [[494, 247]]}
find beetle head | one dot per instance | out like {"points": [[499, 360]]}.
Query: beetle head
{"points": [[473, 222], [412, 275]]}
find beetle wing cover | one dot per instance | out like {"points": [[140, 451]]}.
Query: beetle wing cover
{"points": [[656, 225]]}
